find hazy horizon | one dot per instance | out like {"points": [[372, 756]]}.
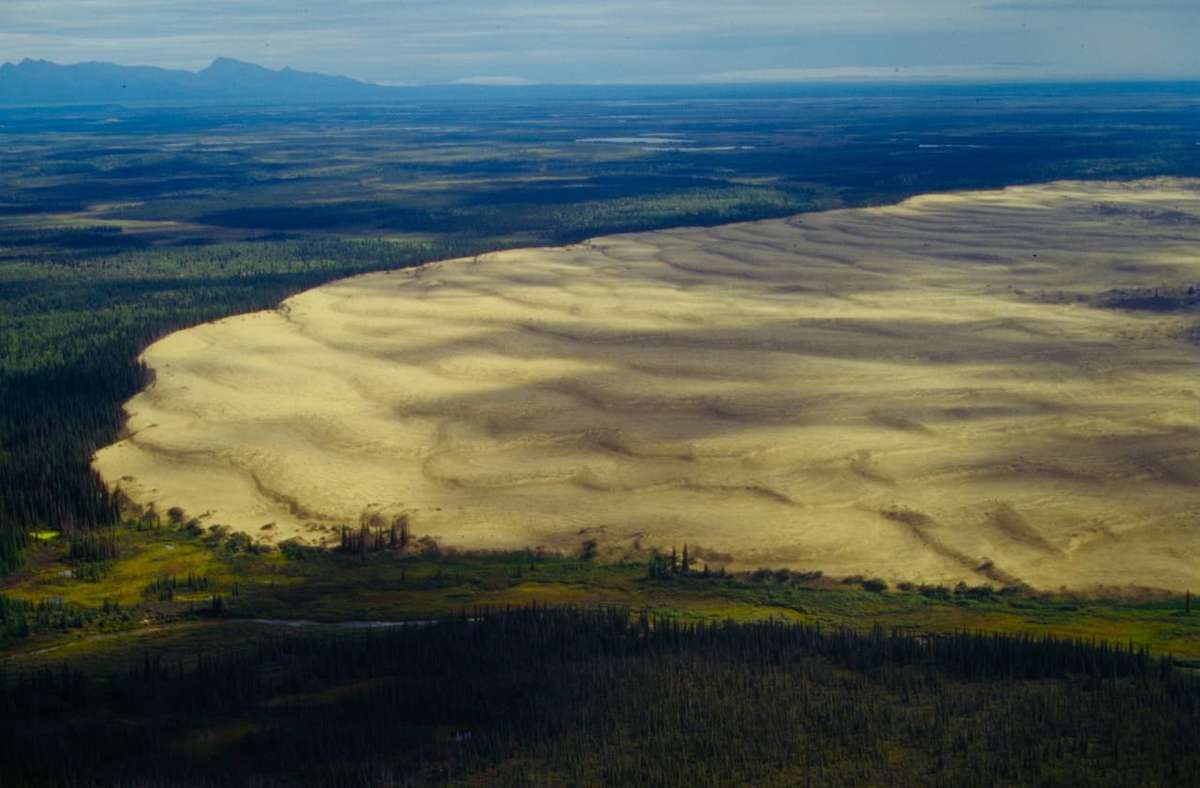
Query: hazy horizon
{"points": [[505, 42]]}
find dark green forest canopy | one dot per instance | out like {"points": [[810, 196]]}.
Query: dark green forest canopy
{"points": [[565, 696]]}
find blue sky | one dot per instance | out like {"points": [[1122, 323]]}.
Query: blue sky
{"points": [[513, 41]]}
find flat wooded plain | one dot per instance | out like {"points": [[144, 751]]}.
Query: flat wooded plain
{"points": [[981, 386]]}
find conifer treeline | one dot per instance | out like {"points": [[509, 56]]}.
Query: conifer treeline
{"points": [[372, 536], [602, 697]]}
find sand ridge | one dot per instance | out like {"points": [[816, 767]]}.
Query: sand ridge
{"points": [[926, 391]]}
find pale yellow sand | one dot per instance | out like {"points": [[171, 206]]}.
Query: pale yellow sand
{"points": [[895, 391]]}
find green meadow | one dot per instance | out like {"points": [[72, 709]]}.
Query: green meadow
{"points": [[188, 589]]}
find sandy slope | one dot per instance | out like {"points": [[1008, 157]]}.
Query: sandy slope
{"points": [[898, 391]]}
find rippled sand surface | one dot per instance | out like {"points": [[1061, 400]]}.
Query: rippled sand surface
{"points": [[927, 391]]}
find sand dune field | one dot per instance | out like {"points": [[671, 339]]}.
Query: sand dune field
{"points": [[933, 391]]}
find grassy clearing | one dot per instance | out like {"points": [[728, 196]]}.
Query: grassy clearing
{"points": [[110, 610]]}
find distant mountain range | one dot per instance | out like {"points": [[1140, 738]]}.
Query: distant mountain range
{"points": [[40, 82], [229, 81]]}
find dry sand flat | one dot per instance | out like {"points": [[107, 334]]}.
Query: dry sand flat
{"points": [[896, 391]]}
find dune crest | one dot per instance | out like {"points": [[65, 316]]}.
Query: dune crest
{"points": [[935, 391]]}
